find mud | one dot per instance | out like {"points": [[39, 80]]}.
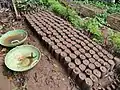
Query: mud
{"points": [[48, 74]]}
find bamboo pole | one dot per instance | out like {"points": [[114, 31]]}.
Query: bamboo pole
{"points": [[16, 12]]}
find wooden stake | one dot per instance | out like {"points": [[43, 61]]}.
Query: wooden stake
{"points": [[16, 12]]}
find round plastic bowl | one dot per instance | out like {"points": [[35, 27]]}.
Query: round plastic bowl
{"points": [[22, 58], [13, 38]]}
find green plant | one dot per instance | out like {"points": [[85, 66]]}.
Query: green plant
{"points": [[27, 5], [76, 21], [110, 7], [92, 25], [59, 9], [115, 39], [114, 8], [102, 18], [99, 4]]}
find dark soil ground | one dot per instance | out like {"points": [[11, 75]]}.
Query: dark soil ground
{"points": [[48, 74]]}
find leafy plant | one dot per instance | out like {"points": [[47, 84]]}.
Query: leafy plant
{"points": [[99, 4], [59, 9], [111, 8], [27, 5], [93, 26], [115, 39], [114, 8], [102, 18]]}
